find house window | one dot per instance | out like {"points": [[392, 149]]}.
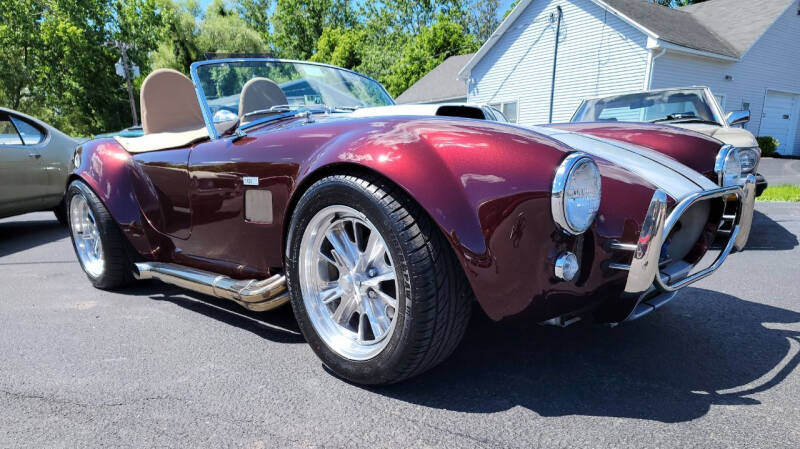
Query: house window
{"points": [[508, 108]]}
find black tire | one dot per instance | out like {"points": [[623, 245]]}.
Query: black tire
{"points": [[60, 212], [434, 299], [118, 269]]}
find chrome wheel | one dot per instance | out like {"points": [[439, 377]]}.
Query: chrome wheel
{"points": [[86, 236], [348, 282]]}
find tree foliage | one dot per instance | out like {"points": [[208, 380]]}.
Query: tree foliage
{"points": [[56, 61], [427, 50], [298, 24]]}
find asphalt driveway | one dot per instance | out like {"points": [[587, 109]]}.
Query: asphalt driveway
{"points": [[779, 171], [158, 366]]}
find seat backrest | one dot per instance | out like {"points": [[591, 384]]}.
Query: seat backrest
{"points": [[259, 94], [169, 103]]}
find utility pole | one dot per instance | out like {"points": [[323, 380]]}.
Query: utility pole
{"points": [[126, 68]]}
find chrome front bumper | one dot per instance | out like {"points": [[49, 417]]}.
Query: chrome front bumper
{"points": [[644, 272]]}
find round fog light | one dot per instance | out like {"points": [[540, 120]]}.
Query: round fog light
{"points": [[566, 266]]}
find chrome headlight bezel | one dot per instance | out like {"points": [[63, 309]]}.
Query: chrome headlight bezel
{"points": [[561, 194], [728, 167]]}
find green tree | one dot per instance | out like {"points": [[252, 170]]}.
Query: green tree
{"points": [[177, 48], [427, 50], [298, 24], [256, 13], [224, 31], [187, 38], [20, 54], [341, 47], [482, 18], [57, 64]]}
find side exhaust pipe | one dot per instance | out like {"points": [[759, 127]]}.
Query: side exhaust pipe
{"points": [[252, 294]]}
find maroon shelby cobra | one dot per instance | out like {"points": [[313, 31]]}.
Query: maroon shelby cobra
{"points": [[256, 182]]}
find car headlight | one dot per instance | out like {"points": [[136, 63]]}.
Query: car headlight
{"points": [[728, 167], [748, 158], [576, 193]]}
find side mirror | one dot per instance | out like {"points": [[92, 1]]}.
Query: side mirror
{"points": [[738, 118]]}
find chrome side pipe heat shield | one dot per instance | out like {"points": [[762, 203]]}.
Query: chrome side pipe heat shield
{"points": [[252, 294]]}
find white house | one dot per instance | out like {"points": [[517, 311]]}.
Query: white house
{"points": [[746, 51]]}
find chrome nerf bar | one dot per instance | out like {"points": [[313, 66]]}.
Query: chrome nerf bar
{"points": [[644, 268]]}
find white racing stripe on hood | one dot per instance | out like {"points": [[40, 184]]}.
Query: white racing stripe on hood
{"points": [[665, 173]]}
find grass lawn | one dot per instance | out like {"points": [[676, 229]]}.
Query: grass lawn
{"points": [[781, 193]]}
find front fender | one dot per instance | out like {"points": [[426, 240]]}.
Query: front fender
{"points": [[110, 172], [693, 149], [488, 190]]}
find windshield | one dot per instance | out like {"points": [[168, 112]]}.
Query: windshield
{"points": [[684, 105], [250, 89]]}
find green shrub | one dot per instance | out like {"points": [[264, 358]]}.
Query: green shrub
{"points": [[768, 145]]}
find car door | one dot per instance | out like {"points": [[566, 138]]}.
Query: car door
{"points": [[54, 151], [22, 176], [166, 177]]}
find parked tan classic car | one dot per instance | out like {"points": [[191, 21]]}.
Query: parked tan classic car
{"points": [[694, 108], [35, 162]]}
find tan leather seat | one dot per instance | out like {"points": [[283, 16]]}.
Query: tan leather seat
{"points": [[169, 103], [171, 115], [259, 94]]}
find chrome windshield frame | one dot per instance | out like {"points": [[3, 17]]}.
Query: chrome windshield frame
{"points": [[206, 109]]}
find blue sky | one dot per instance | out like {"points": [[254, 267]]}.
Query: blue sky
{"points": [[500, 11]]}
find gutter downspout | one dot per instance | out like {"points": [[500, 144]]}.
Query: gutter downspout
{"points": [[651, 61], [555, 62]]}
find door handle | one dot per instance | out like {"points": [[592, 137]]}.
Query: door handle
{"points": [[34, 155]]}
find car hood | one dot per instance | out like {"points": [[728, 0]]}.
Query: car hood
{"points": [[666, 173], [737, 137]]}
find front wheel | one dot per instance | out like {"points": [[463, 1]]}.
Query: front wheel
{"points": [[376, 289], [96, 238]]}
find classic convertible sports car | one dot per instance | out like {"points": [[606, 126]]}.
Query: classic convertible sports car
{"points": [[254, 182]]}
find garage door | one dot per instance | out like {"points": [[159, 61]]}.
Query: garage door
{"points": [[780, 120]]}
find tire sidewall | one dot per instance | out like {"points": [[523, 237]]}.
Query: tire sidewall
{"points": [[79, 188], [347, 191]]}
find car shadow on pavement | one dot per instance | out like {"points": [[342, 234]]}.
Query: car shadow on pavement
{"points": [[767, 234], [277, 325], [16, 236], [706, 348]]}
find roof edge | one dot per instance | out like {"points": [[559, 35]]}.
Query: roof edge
{"points": [[766, 30], [465, 73]]}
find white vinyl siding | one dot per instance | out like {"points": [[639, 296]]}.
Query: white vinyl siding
{"points": [[599, 55], [771, 64]]}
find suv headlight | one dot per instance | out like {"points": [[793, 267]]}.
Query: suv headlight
{"points": [[728, 167], [576, 193], [748, 158]]}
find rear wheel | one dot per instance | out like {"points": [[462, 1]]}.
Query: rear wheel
{"points": [[96, 238], [376, 289]]}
